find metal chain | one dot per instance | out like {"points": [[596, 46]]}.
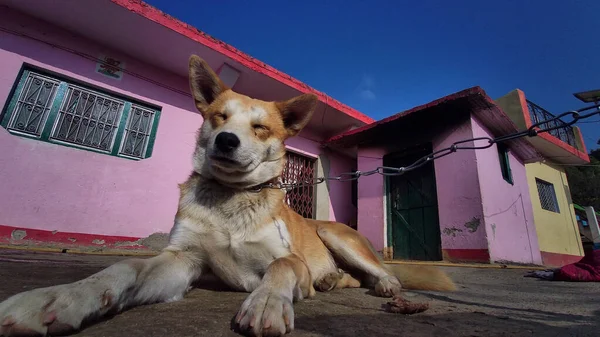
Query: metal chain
{"points": [[485, 142]]}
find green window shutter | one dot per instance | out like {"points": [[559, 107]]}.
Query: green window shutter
{"points": [[12, 103], [121, 129], [505, 163], [152, 138], [61, 112]]}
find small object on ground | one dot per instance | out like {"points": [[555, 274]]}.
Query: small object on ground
{"points": [[399, 305], [543, 274], [586, 270]]}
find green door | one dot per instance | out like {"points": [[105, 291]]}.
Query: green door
{"points": [[413, 210]]}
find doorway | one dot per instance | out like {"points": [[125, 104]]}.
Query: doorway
{"points": [[413, 208]]}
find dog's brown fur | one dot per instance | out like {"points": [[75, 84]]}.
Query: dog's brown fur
{"points": [[224, 226]]}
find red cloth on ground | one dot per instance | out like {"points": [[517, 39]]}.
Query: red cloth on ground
{"points": [[586, 270]]}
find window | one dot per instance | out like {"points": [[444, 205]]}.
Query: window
{"points": [[547, 195], [56, 111], [298, 169], [505, 163]]}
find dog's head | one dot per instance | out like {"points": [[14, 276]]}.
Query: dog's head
{"points": [[241, 141]]}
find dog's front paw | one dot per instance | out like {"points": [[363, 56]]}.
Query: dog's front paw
{"points": [[57, 310], [388, 286], [266, 313]]}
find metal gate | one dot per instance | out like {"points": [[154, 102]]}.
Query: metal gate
{"points": [[300, 199], [413, 211]]}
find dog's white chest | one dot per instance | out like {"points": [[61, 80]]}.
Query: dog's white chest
{"points": [[241, 257], [272, 238]]}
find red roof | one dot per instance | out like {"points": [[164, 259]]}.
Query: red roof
{"points": [[438, 112], [151, 13]]}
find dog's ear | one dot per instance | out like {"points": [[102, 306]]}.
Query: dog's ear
{"points": [[204, 83], [296, 112]]}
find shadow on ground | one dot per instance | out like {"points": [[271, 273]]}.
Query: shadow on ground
{"points": [[442, 325], [489, 303]]}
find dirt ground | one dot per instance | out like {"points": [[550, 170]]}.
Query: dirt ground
{"points": [[490, 302]]}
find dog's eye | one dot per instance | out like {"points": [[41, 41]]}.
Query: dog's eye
{"points": [[260, 130], [221, 116]]}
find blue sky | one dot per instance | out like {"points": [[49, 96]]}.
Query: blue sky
{"points": [[383, 57]]}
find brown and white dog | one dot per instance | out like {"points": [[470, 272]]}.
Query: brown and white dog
{"points": [[249, 240]]}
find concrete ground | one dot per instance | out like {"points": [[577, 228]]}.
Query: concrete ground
{"points": [[490, 302]]}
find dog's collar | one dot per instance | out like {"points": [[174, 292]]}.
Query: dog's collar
{"points": [[275, 183]]}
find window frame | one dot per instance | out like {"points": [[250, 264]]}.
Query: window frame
{"points": [[59, 99], [504, 160], [539, 181]]}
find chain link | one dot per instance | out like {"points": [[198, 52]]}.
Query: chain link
{"points": [[472, 144]]}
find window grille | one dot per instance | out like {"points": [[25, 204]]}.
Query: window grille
{"points": [[54, 110], [547, 196], [87, 118], [301, 199], [137, 131], [33, 104]]}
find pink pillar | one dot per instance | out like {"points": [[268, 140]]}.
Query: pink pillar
{"points": [[371, 192]]}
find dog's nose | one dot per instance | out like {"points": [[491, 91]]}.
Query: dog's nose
{"points": [[227, 142]]}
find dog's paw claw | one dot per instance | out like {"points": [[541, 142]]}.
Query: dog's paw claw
{"points": [[388, 286], [265, 313]]}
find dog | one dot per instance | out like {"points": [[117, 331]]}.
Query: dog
{"points": [[229, 224]]}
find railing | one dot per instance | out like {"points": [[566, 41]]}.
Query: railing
{"points": [[539, 114]]}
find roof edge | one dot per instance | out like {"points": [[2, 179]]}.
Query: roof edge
{"points": [[523, 149], [154, 14], [454, 96]]}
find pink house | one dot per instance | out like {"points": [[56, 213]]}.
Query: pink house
{"points": [[98, 128], [472, 205], [98, 125]]}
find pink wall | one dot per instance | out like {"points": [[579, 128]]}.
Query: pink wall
{"points": [[507, 208], [340, 203], [53, 187], [371, 210], [341, 209], [459, 196], [478, 210]]}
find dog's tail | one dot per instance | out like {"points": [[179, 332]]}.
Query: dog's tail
{"points": [[417, 277]]}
